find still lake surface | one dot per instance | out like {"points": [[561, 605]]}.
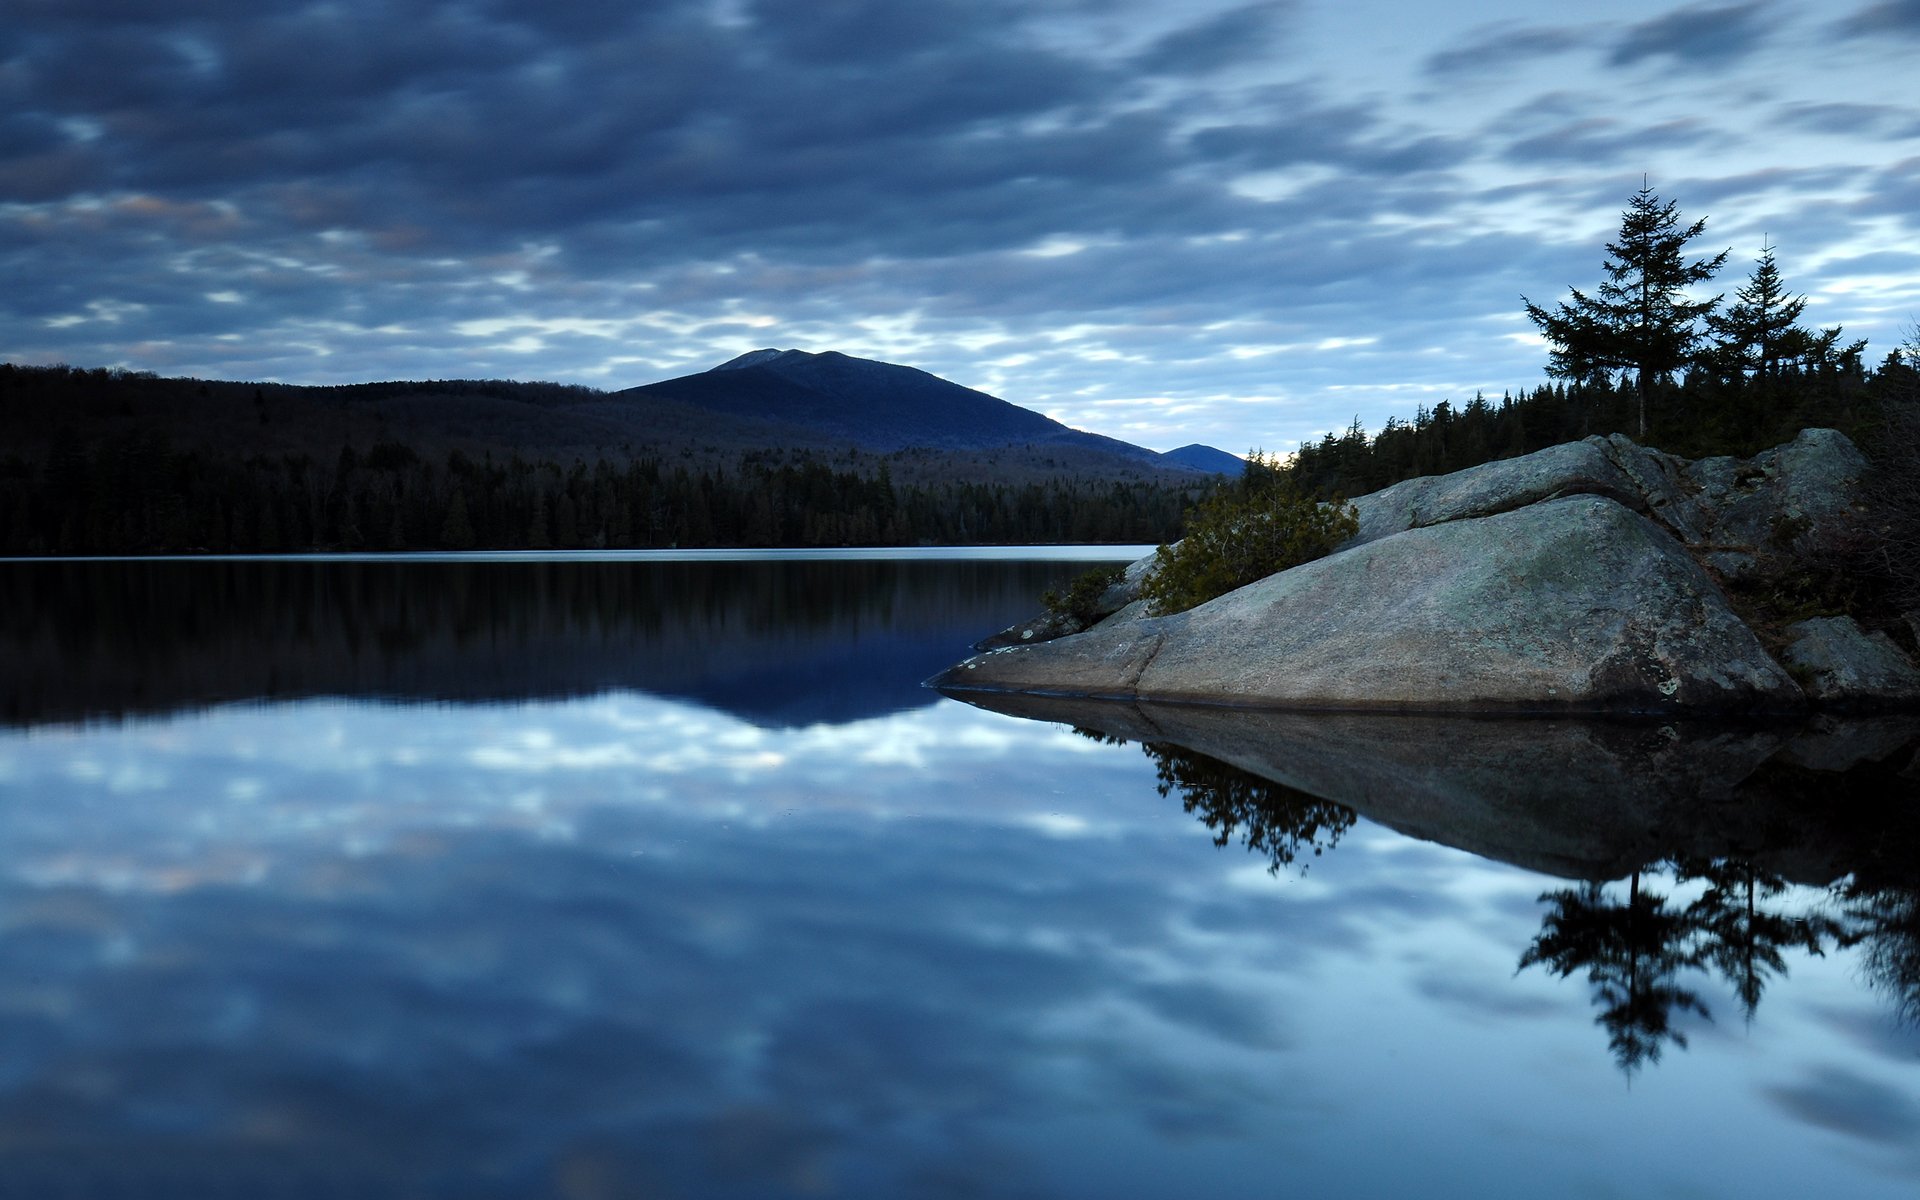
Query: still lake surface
{"points": [[609, 876]]}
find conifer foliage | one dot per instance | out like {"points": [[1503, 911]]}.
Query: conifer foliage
{"points": [[1759, 336], [1641, 318], [1253, 527]]}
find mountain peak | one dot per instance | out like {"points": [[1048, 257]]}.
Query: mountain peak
{"points": [[1206, 458], [756, 358], [877, 406]]}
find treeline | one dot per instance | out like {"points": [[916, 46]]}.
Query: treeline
{"points": [[1642, 355], [136, 494], [1696, 417]]}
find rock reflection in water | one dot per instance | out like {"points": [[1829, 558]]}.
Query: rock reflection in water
{"points": [[1687, 841]]}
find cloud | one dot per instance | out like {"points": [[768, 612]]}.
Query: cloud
{"points": [[1897, 18], [1699, 36], [1603, 139], [1503, 48], [371, 177], [1234, 36], [1889, 121]]}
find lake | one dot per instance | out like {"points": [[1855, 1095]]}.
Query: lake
{"points": [[628, 875]]}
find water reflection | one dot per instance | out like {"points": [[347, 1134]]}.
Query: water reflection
{"points": [[780, 642], [1673, 898], [622, 944], [1267, 818]]}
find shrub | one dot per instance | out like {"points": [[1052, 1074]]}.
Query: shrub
{"points": [[1893, 484], [1246, 531], [1082, 599]]}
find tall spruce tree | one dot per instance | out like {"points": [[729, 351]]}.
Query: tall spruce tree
{"points": [[1759, 333], [1639, 319]]}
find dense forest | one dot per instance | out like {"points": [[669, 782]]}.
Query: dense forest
{"points": [[110, 462], [1695, 417], [138, 495]]}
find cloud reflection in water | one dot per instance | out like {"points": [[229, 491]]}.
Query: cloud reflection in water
{"points": [[624, 945]]}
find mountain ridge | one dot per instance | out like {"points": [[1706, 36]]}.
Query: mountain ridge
{"points": [[885, 407]]}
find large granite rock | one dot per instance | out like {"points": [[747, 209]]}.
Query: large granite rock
{"points": [[1570, 578], [1576, 604], [1795, 496], [1573, 468]]}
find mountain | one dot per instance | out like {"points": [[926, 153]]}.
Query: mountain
{"points": [[875, 406], [1205, 458]]}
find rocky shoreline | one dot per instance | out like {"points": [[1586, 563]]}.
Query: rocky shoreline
{"points": [[1591, 577]]}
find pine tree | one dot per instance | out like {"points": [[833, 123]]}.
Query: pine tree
{"points": [[456, 532], [1759, 334], [1639, 319]]}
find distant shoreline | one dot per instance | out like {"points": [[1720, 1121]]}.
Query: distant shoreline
{"points": [[1025, 552]]}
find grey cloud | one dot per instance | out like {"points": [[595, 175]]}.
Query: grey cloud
{"points": [[1500, 48], [1892, 1039], [1836, 1099], [1894, 191], [1698, 36], [865, 31], [1233, 36], [1898, 18], [1789, 181], [1888, 121], [1602, 139]]}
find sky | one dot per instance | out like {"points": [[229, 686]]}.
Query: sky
{"points": [[1163, 220]]}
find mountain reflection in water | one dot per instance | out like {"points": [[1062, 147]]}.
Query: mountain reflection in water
{"points": [[1708, 827], [775, 641]]}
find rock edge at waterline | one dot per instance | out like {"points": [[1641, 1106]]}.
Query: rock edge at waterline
{"points": [[1581, 578]]}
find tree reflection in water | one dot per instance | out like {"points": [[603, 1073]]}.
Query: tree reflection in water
{"points": [[1644, 954], [1633, 954], [1739, 938], [1268, 818], [1886, 922]]}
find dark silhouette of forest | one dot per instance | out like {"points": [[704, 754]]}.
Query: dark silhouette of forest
{"points": [[1695, 417], [133, 490]]}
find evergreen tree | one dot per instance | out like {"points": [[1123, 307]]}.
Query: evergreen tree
{"points": [[1759, 333], [456, 532], [1639, 319]]}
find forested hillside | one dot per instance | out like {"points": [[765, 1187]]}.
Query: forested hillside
{"points": [[121, 485]]}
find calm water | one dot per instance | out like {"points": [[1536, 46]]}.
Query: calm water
{"points": [[637, 878]]}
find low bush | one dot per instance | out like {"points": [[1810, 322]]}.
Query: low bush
{"points": [[1258, 525], [1081, 601]]}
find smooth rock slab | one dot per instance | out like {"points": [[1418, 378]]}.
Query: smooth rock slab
{"points": [[1572, 468], [1573, 605]]}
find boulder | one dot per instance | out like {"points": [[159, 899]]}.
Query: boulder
{"points": [[1573, 468], [1841, 665], [1583, 577], [1763, 512], [1575, 604]]}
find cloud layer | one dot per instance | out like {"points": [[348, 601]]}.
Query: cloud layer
{"points": [[1243, 223]]}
